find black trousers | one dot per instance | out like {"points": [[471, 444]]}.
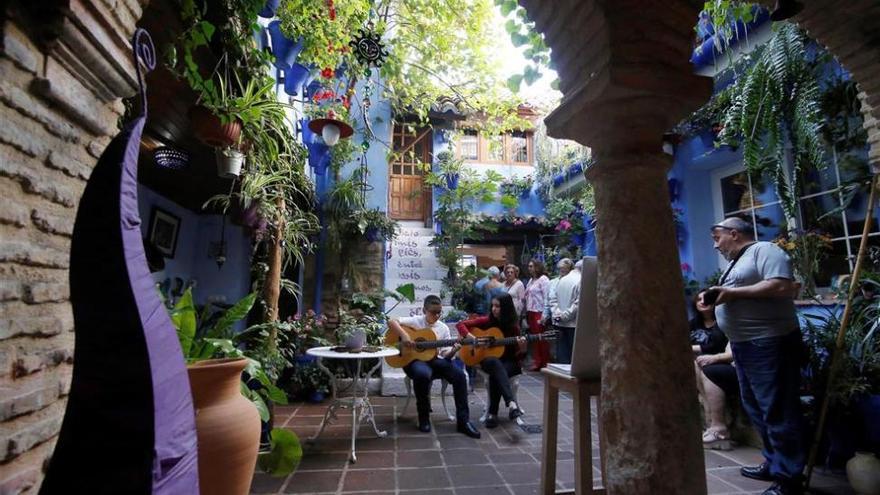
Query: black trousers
{"points": [[500, 371], [422, 373]]}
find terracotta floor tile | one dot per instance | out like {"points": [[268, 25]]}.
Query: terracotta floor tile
{"points": [[424, 458], [468, 476], [519, 474], [313, 482], [511, 458], [312, 461], [373, 460], [371, 479], [414, 479], [263, 483], [422, 442]]}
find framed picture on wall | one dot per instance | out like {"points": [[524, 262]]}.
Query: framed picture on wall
{"points": [[163, 230]]}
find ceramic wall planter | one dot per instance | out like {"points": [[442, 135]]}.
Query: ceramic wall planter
{"points": [[227, 427], [451, 181], [863, 472], [229, 162], [209, 129], [296, 78], [285, 49]]}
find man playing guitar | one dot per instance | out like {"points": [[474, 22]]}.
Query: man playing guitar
{"points": [[423, 372]]}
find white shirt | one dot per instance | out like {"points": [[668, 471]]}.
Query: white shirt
{"points": [[516, 291], [568, 293], [419, 322]]}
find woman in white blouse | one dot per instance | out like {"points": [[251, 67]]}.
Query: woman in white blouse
{"points": [[515, 288], [534, 296]]}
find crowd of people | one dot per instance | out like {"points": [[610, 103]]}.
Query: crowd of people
{"points": [[744, 335]]}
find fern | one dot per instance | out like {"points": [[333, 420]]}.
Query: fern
{"points": [[773, 102]]}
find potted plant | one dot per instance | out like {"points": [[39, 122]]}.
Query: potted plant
{"points": [[325, 28], [450, 168], [216, 362], [806, 250], [375, 225]]}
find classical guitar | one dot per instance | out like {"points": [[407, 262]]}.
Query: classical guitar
{"points": [[490, 342], [424, 350], [478, 346]]}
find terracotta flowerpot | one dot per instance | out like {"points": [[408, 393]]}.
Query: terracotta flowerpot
{"points": [[209, 129], [227, 427]]}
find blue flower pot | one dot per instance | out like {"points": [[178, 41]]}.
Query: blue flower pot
{"points": [[296, 78], [525, 193], [451, 181], [268, 10], [316, 397], [312, 88], [372, 234], [285, 49], [558, 180]]}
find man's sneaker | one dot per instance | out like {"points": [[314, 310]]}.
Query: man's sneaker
{"points": [[515, 413], [759, 472]]}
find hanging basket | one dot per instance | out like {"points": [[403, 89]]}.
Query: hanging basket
{"points": [[229, 162], [285, 49], [209, 129]]}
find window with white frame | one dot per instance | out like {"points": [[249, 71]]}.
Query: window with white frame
{"points": [[514, 148], [754, 199]]}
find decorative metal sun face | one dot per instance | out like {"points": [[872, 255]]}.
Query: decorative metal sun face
{"points": [[368, 48]]}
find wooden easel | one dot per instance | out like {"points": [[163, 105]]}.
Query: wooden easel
{"points": [[581, 391]]}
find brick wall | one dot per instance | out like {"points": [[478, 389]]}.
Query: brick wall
{"points": [[62, 72]]}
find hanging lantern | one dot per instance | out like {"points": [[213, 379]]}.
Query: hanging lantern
{"points": [[331, 129], [168, 157]]}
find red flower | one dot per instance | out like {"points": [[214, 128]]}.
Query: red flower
{"points": [[346, 103], [332, 14], [327, 73]]}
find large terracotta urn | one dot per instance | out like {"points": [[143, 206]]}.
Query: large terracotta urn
{"points": [[227, 427]]}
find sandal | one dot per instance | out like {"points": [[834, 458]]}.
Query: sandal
{"points": [[717, 440]]}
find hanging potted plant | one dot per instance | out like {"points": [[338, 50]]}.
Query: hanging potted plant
{"points": [[284, 48], [324, 27], [450, 168], [375, 226]]}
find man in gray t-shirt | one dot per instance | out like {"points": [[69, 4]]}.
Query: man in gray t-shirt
{"points": [[754, 306]]}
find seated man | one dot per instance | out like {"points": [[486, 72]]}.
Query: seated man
{"points": [[423, 372]]}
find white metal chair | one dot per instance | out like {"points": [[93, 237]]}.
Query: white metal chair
{"points": [[407, 382]]}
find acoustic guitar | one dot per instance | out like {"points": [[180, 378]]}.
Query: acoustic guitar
{"points": [[425, 349], [476, 347], [490, 342]]}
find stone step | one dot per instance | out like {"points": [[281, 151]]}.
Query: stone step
{"points": [[413, 252], [422, 261], [413, 242], [414, 275], [405, 231]]}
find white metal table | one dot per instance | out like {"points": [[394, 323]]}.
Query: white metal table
{"points": [[359, 402]]}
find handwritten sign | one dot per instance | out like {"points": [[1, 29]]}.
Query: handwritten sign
{"points": [[409, 264]]}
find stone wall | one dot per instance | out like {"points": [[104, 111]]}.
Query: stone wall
{"points": [[367, 264], [63, 69]]}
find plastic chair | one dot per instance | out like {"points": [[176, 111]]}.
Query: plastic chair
{"points": [[514, 387]]}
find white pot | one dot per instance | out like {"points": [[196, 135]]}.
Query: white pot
{"points": [[863, 471], [229, 162], [356, 340]]}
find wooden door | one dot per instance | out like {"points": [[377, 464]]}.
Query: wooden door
{"points": [[407, 195]]}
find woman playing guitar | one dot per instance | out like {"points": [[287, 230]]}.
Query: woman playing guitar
{"points": [[502, 315]]}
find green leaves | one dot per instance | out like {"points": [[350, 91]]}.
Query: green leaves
{"points": [[237, 312], [507, 6], [183, 316], [285, 455]]}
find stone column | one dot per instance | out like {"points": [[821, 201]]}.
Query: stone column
{"points": [[624, 71]]}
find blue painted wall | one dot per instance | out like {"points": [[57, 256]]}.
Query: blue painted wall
{"points": [[191, 260]]}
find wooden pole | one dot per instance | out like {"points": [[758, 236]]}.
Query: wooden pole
{"points": [[272, 285], [841, 332]]}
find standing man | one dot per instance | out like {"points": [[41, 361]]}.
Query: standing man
{"points": [[565, 307], [754, 306], [423, 372]]}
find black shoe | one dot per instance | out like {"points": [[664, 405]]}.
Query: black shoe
{"points": [[491, 421], [424, 425], [760, 472], [468, 429], [515, 413], [788, 487]]}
